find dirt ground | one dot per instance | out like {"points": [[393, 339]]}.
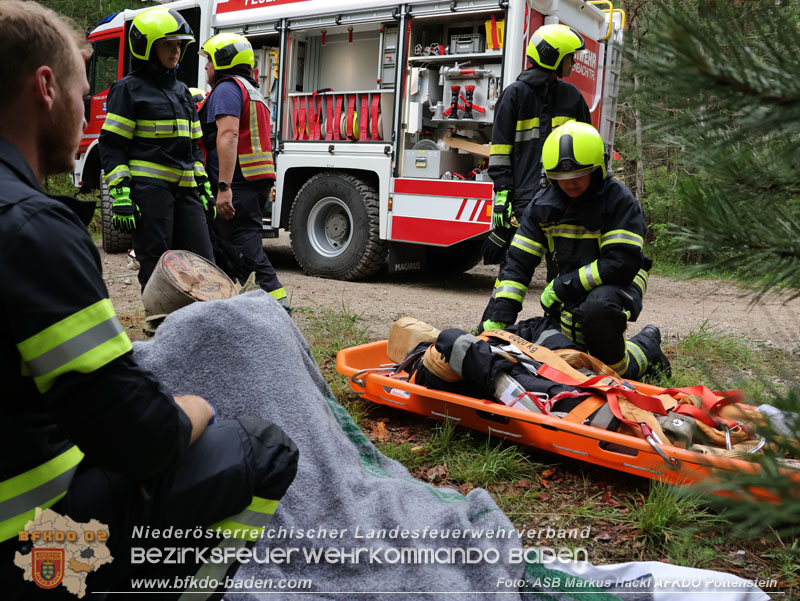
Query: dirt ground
{"points": [[676, 306]]}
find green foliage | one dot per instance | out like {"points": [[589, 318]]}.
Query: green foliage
{"points": [[88, 14], [329, 329], [716, 88], [403, 453], [59, 185], [666, 515]]}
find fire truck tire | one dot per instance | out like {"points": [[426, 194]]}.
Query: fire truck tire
{"points": [[334, 227], [114, 241], [454, 259]]}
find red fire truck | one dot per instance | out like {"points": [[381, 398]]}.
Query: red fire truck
{"points": [[382, 115]]}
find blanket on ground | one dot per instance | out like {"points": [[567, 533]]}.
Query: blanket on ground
{"points": [[360, 524]]}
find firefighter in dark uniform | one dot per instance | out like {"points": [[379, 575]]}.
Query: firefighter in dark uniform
{"points": [[236, 134], [525, 114], [149, 147], [85, 430], [595, 228]]}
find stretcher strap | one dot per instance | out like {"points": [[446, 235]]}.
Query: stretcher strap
{"points": [[579, 414], [362, 124], [337, 118], [329, 100], [376, 107]]}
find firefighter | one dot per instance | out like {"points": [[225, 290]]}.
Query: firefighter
{"points": [[596, 229], [526, 112], [85, 430], [149, 147], [236, 134]]}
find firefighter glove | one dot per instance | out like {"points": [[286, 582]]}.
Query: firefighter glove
{"points": [[550, 301], [124, 213], [209, 203], [503, 210], [494, 325]]}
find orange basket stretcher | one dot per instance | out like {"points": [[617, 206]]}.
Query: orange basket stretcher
{"points": [[368, 368]]}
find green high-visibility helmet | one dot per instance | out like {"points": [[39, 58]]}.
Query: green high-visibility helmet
{"points": [[551, 43], [572, 150], [226, 50], [158, 23]]}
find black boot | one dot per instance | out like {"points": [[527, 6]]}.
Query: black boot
{"points": [[657, 361]]}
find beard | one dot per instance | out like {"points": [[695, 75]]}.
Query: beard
{"points": [[58, 143]]}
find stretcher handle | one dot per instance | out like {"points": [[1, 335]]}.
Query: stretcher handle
{"points": [[361, 382], [762, 441], [650, 437]]}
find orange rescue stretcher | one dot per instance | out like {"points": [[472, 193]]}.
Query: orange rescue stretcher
{"points": [[368, 369]]}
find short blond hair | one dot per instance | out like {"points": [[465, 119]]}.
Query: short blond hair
{"points": [[31, 36]]}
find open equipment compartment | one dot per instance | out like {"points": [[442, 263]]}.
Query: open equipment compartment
{"points": [[453, 81], [340, 82]]}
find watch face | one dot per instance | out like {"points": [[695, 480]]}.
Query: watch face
{"points": [[223, 186]]}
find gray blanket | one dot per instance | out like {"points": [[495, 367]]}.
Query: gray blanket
{"points": [[246, 356], [380, 531]]}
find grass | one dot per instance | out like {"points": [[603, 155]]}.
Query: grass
{"points": [[629, 518]]}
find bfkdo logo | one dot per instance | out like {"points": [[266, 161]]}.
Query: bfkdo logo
{"points": [[48, 567], [63, 552]]}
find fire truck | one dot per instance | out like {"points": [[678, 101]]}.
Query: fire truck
{"points": [[382, 116]]}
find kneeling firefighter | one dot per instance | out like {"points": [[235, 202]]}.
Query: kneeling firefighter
{"points": [[596, 229]]}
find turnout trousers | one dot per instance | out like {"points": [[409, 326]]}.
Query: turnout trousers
{"points": [[598, 324], [242, 233], [172, 218], [232, 477]]}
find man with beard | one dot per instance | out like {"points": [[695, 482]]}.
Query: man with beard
{"points": [[85, 430], [596, 229]]}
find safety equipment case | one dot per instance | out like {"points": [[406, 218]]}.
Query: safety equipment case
{"points": [[368, 369]]}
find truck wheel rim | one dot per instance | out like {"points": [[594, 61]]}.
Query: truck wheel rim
{"points": [[330, 227]]}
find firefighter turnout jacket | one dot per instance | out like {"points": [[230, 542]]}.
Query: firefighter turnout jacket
{"points": [[70, 384], [526, 112], [151, 131], [595, 242]]}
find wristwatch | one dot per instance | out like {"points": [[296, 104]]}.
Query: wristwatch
{"points": [[223, 186]]}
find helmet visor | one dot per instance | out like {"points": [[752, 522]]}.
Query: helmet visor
{"points": [[569, 174]]}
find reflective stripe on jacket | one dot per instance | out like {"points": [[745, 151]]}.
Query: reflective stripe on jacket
{"points": [[151, 130], [525, 114], [595, 243], [70, 385]]}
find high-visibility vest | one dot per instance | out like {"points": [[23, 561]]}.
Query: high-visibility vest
{"points": [[255, 146]]}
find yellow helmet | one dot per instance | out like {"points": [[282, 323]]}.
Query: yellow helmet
{"points": [[551, 43], [157, 23], [226, 50], [572, 150]]}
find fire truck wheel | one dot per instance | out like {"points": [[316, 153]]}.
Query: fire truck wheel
{"points": [[458, 258], [114, 241], [334, 227]]}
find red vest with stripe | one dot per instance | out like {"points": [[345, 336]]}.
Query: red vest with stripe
{"points": [[255, 146]]}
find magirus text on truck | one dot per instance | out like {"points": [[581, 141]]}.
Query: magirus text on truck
{"points": [[382, 115]]}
